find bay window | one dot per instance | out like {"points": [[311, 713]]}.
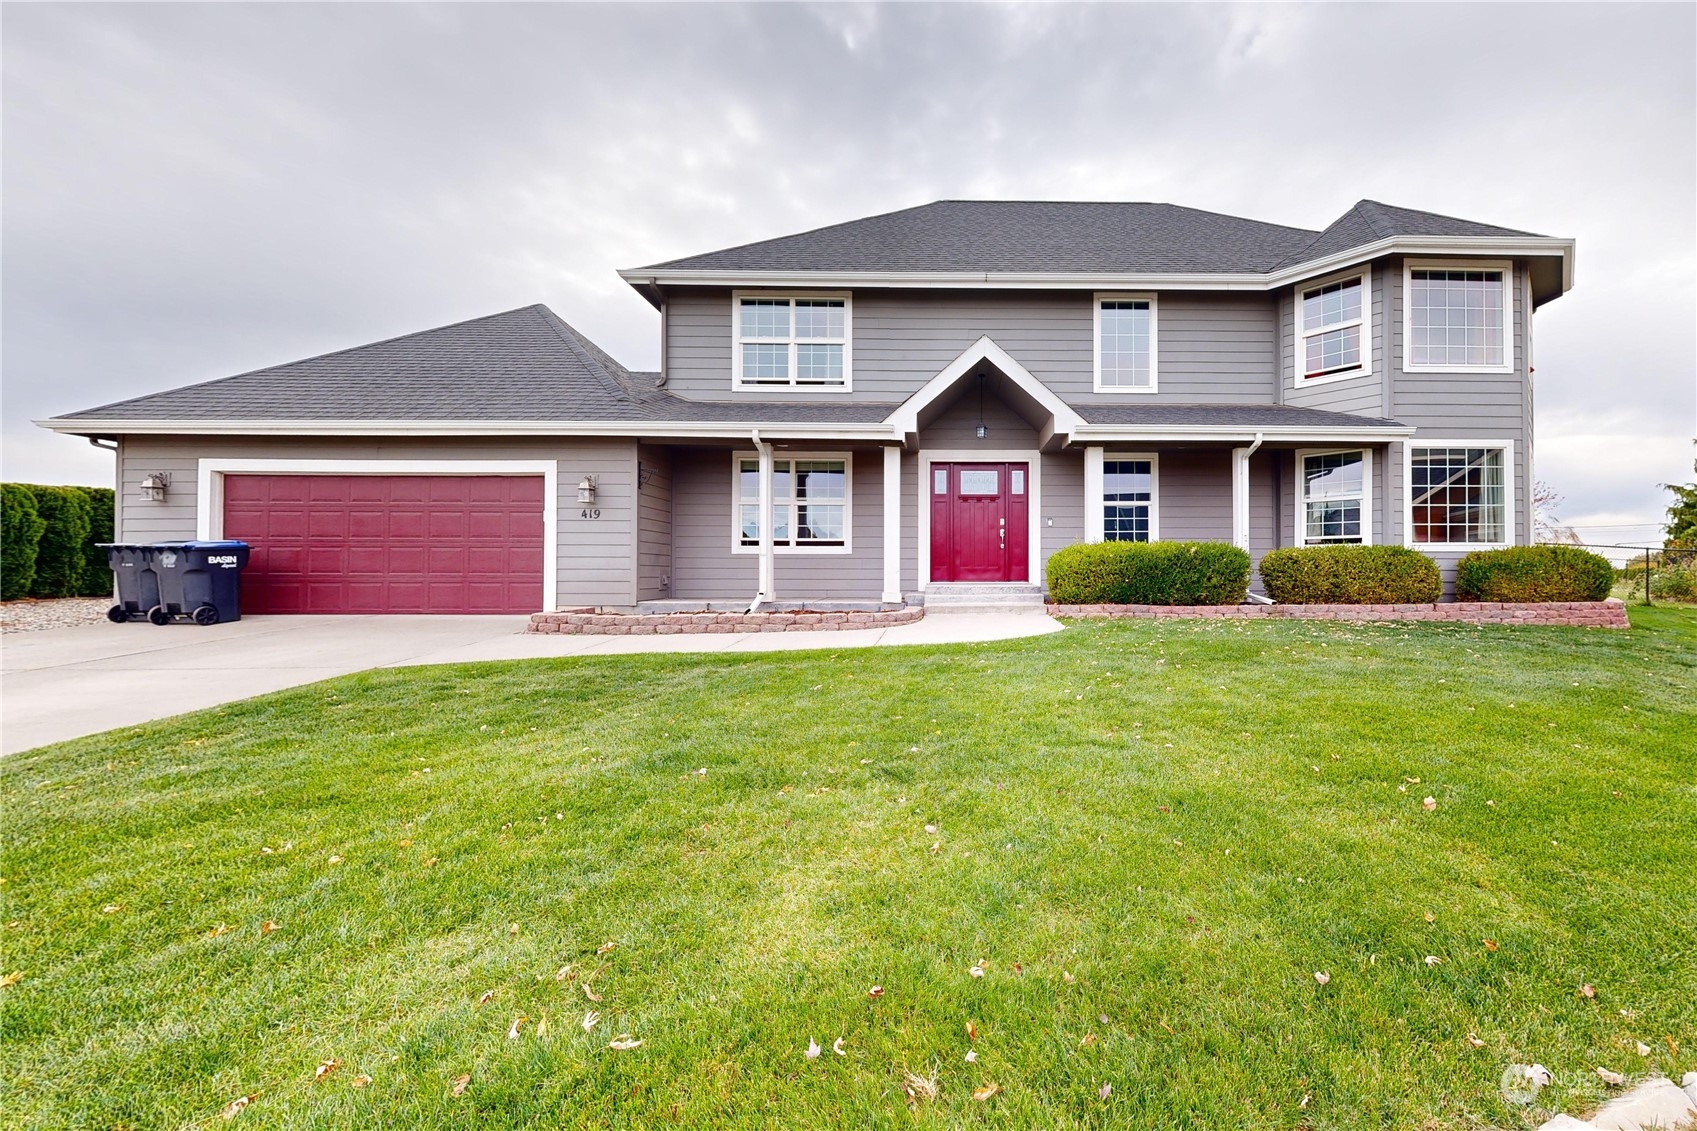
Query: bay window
{"points": [[791, 341], [1331, 329]]}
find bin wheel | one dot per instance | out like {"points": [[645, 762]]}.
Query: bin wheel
{"points": [[117, 614], [158, 615], [206, 615]]}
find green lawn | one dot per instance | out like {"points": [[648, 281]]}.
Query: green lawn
{"points": [[1152, 836]]}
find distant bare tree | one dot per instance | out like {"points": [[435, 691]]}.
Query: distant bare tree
{"points": [[1546, 527]]}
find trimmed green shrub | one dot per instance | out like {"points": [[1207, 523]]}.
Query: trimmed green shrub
{"points": [[96, 579], [60, 557], [1533, 573], [1149, 573], [20, 540], [1351, 575]]}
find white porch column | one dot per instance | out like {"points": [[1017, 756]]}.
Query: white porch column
{"points": [[1240, 497], [1093, 506], [766, 571], [892, 524]]}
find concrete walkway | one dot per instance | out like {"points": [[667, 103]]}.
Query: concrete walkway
{"points": [[64, 683]]}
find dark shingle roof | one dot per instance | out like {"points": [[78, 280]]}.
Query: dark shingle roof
{"points": [[1064, 237], [1227, 416], [1021, 235]]}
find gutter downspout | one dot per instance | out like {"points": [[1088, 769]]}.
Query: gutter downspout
{"points": [[95, 440], [1240, 500], [764, 591]]}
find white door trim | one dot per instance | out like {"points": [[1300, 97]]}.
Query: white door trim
{"points": [[1033, 461], [209, 499]]}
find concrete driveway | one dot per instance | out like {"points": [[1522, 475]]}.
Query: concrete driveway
{"points": [[64, 683]]}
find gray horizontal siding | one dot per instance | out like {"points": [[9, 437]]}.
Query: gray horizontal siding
{"points": [[595, 565], [654, 524], [1195, 495], [1212, 348], [704, 567], [1362, 395]]}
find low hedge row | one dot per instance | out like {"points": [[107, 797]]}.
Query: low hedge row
{"points": [[48, 539], [1533, 573], [1350, 575], [1149, 573]]}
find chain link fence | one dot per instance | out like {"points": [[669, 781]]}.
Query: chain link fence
{"points": [[1651, 573]]}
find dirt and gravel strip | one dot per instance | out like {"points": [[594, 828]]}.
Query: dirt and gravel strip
{"points": [[52, 612]]}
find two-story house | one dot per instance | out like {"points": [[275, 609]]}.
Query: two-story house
{"points": [[870, 411]]}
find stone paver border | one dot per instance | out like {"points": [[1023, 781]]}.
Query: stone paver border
{"points": [[587, 622], [1588, 614]]}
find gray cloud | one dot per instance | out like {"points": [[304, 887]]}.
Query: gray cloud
{"points": [[196, 190]]}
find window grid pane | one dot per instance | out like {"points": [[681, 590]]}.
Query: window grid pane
{"points": [[819, 364], [766, 364], [819, 318], [765, 318], [1456, 318], [1127, 496], [1125, 345], [1459, 495], [1334, 495]]}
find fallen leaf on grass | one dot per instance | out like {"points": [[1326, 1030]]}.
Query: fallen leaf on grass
{"points": [[360, 1081], [1089, 1039], [972, 1056], [986, 1092], [460, 1083], [220, 929], [513, 930], [1104, 1091], [931, 829], [485, 997], [1303, 1102], [1066, 976], [406, 842], [875, 991], [623, 1041], [234, 1107], [1429, 804], [919, 1087], [1612, 1079], [1433, 960], [590, 1020], [977, 970], [837, 1047], [566, 973], [1474, 1040], [335, 859], [1673, 1048], [1431, 918], [542, 1027], [590, 993], [1491, 945], [431, 863], [11, 979], [111, 909], [971, 1031], [813, 1049], [606, 946], [1587, 990], [325, 1069], [518, 1023], [1322, 977], [268, 926], [1643, 1049]]}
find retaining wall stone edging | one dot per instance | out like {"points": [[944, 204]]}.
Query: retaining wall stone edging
{"points": [[587, 622], [1586, 614]]}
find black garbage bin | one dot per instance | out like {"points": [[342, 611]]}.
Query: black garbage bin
{"points": [[138, 584], [198, 581]]}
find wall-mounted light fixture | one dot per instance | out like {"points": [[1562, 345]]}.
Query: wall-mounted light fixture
{"points": [[643, 474], [982, 430], [586, 490], [154, 485]]}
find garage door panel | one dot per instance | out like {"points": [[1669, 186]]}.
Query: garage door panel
{"points": [[388, 543]]}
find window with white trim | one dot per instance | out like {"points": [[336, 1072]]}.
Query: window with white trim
{"points": [[1458, 496], [1457, 317], [1331, 329], [1128, 499], [810, 502], [1125, 343], [791, 341], [1332, 491]]}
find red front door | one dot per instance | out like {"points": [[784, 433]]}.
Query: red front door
{"points": [[979, 514]]}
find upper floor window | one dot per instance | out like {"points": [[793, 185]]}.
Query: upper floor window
{"points": [[792, 341], [1333, 489], [1331, 329], [1125, 343], [1456, 316]]}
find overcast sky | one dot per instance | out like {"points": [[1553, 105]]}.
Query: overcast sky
{"points": [[190, 192]]}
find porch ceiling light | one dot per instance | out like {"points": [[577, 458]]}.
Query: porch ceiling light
{"points": [[982, 430], [154, 485], [586, 490]]}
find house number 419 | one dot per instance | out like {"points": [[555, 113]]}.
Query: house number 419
{"points": [[590, 512]]}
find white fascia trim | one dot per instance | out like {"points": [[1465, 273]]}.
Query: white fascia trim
{"points": [[1510, 517], [777, 548], [793, 386], [1410, 266], [1299, 379], [905, 420], [1299, 531], [567, 429], [1109, 281], [209, 499], [1110, 433], [1096, 301], [1033, 461]]}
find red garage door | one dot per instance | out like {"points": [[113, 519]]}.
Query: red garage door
{"points": [[388, 543]]}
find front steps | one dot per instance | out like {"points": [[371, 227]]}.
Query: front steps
{"points": [[983, 597]]}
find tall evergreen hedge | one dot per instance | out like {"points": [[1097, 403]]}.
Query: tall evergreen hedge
{"points": [[60, 557], [21, 527], [96, 580]]}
